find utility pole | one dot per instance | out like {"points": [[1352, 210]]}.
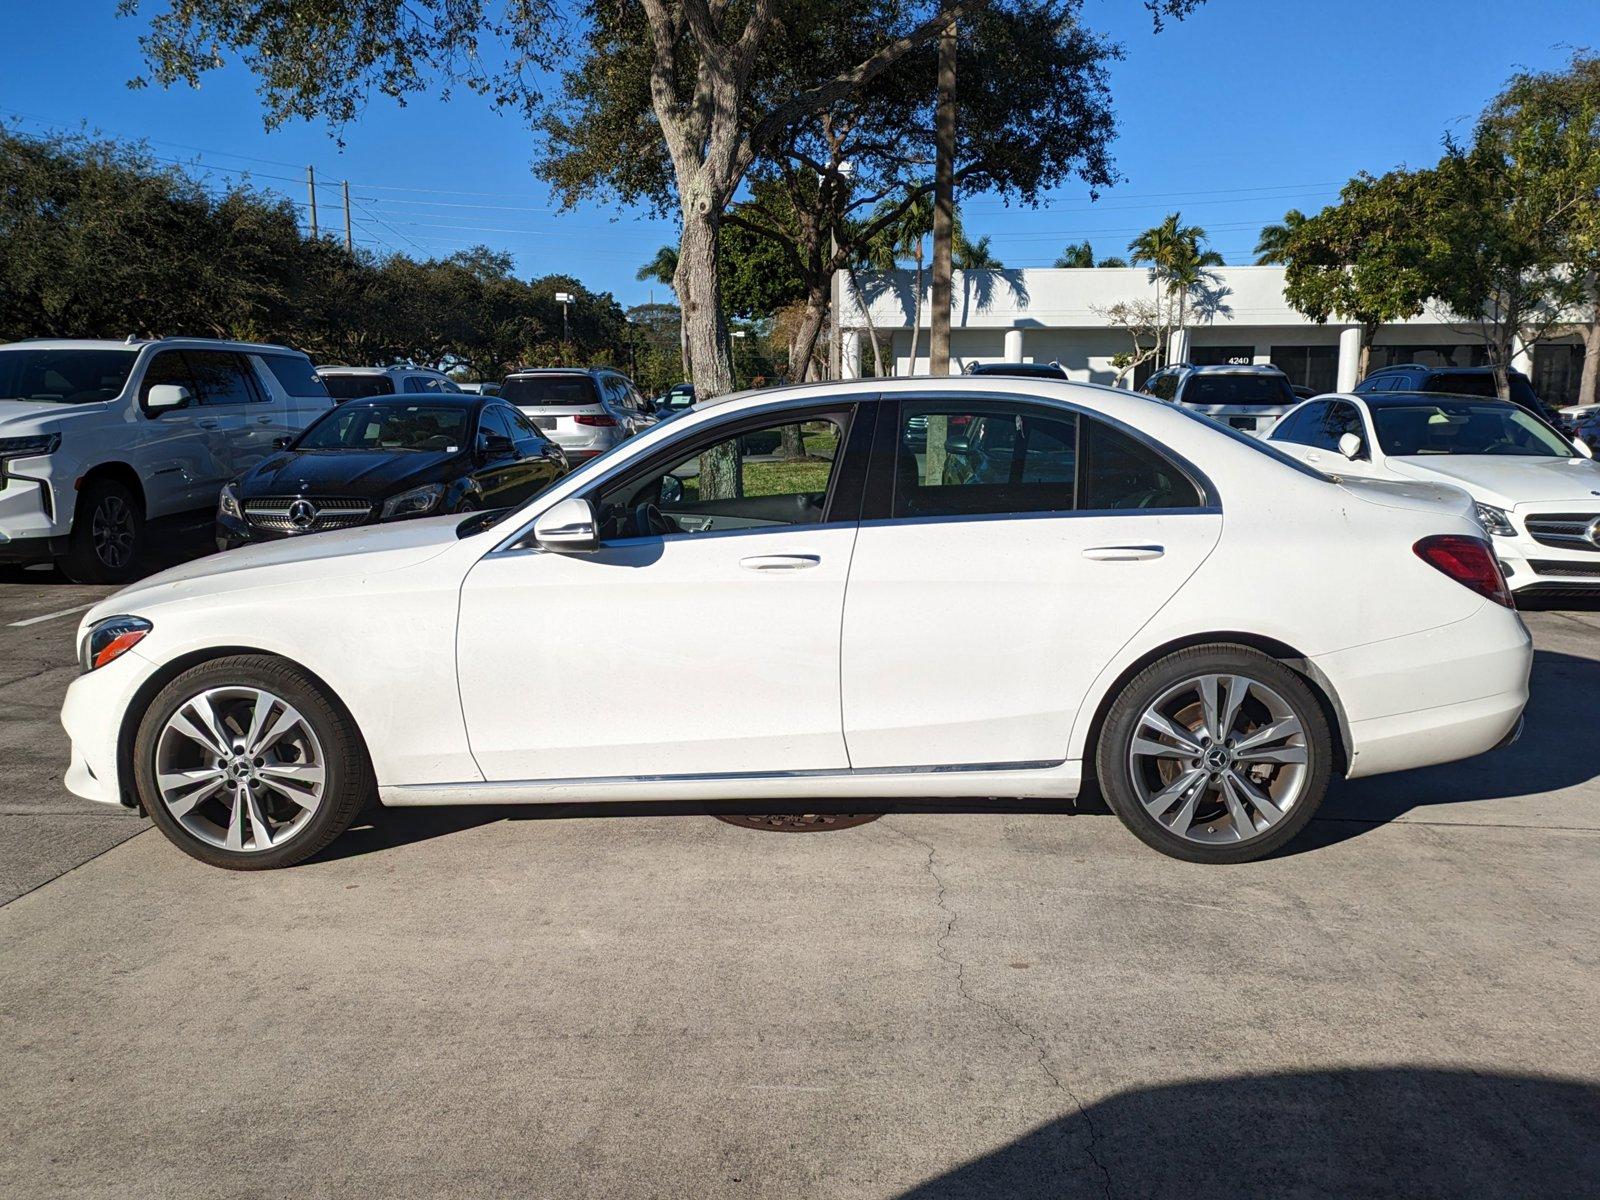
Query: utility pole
{"points": [[944, 205], [349, 242], [311, 191]]}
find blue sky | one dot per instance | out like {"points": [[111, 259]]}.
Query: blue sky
{"points": [[1247, 108]]}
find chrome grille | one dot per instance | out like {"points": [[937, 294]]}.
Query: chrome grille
{"points": [[305, 514], [1569, 570], [1568, 531]]}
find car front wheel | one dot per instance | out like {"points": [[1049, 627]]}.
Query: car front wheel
{"points": [[1215, 754], [107, 538], [246, 763]]}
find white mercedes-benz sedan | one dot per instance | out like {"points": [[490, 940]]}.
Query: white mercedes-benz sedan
{"points": [[1537, 494], [967, 587]]}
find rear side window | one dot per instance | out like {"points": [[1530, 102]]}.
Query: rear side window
{"points": [[224, 377], [550, 391], [1461, 384], [295, 375], [358, 387], [957, 460], [1118, 472]]}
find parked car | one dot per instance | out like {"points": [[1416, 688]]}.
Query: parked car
{"points": [[1208, 626], [1461, 381], [390, 458], [1019, 370], [1302, 391], [675, 401], [586, 412], [1537, 493], [1249, 398], [97, 438], [358, 383], [480, 389]]}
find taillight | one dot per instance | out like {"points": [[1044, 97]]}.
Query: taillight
{"points": [[1467, 560], [594, 419]]}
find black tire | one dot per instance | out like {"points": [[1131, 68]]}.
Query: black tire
{"points": [[1115, 769], [107, 542], [349, 784]]}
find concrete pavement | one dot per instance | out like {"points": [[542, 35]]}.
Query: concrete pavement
{"points": [[940, 1003]]}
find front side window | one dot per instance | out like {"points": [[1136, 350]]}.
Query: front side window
{"points": [[771, 475], [1465, 427], [389, 425], [64, 376], [1298, 426], [170, 366]]}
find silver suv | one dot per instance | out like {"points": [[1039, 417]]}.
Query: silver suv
{"points": [[585, 412], [1250, 398]]}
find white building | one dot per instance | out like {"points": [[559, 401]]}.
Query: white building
{"points": [[1051, 315]]}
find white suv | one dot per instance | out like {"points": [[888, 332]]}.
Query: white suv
{"points": [[97, 437], [357, 383], [584, 411], [1248, 397]]}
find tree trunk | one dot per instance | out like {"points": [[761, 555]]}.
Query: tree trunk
{"points": [[916, 312], [1589, 381], [944, 205], [812, 322], [866, 316], [705, 334]]}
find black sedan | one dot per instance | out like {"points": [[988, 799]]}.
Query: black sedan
{"points": [[387, 458]]}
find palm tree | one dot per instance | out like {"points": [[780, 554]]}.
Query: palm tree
{"points": [[902, 238], [1113, 260], [1273, 245], [663, 268], [975, 256], [1177, 262], [1079, 254]]}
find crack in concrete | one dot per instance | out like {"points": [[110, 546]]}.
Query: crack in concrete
{"points": [[1091, 1147]]}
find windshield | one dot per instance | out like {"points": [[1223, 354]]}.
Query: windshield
{"points": [[358, 387], [389, 426], [1490, 427], [548, 391], [64, 376], [1238, 389]]}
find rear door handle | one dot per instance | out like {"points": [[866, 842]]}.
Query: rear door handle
{"points": [[209, 423], [263, 420], [1123, 553], [780, 562]]}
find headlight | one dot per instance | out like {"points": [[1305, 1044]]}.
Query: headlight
{"points": [[110, 639], [1496, 521], [228, 503], [33, 446], [413, 503]]}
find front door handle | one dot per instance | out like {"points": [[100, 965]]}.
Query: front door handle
{"points": [[780, 562], [264, 420], [209, 423], [1123, 553]]}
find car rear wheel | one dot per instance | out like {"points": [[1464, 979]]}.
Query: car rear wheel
{"points": [[246, 763], [107, 538], [1216, 754]]}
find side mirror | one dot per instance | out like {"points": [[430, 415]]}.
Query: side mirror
{"points": [[496, 445], [671, 489], [1350, 445], [281, 443], [1583, 447], [165, 396], [567, 526]]}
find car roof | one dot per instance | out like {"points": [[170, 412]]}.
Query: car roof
{"points": [[464, 399], [1408, 367], [1384, 399], [1020, 369], [401, 367], [136, 344], [530, 371]]}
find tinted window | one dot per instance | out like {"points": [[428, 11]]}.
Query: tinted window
{"points": [[223, 377], [415, 384], [493, 420], [1237, 389], [388, 425], [1163, 387], [170, 366], [549, 391], [64, 376], [358, 387], [1119, 472], [1465, 427], [295, 374], [1297, 426], [963, 460], [1461, 384], [523, 429]]}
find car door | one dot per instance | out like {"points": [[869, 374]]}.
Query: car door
{"points": [[500, 473], [1004, 557], [238, 412], [178, 465], [667, 652], [538, 461]]}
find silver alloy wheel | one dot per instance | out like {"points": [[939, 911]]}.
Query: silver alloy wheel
{"points": [[111, 528], [1219, 759], [240, 768]]}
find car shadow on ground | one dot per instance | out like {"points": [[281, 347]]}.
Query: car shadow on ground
{"points": [[1559, 748], [171, 542], [1395, 1131]]}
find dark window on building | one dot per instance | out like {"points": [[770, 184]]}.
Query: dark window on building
{"points": [[1469, 354], [1315, 367], [1557, 371]]}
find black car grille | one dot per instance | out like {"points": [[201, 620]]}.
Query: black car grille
{"points": [[305, 514], [1569, 570], [1568, 531]]}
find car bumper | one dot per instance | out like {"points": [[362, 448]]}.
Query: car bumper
{"points": [[30, 521], [1432, 697], [1531, 566], [92, 715]]}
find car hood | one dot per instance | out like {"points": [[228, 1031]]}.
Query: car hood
{"points": [[370, 474], [19, 418], [1506, 481], [362, 551]]}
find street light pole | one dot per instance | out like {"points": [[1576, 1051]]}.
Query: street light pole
{"points": [[738, 336], [564, 298]]}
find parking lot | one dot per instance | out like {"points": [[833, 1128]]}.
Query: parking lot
{"points": [[971, 1000]]}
